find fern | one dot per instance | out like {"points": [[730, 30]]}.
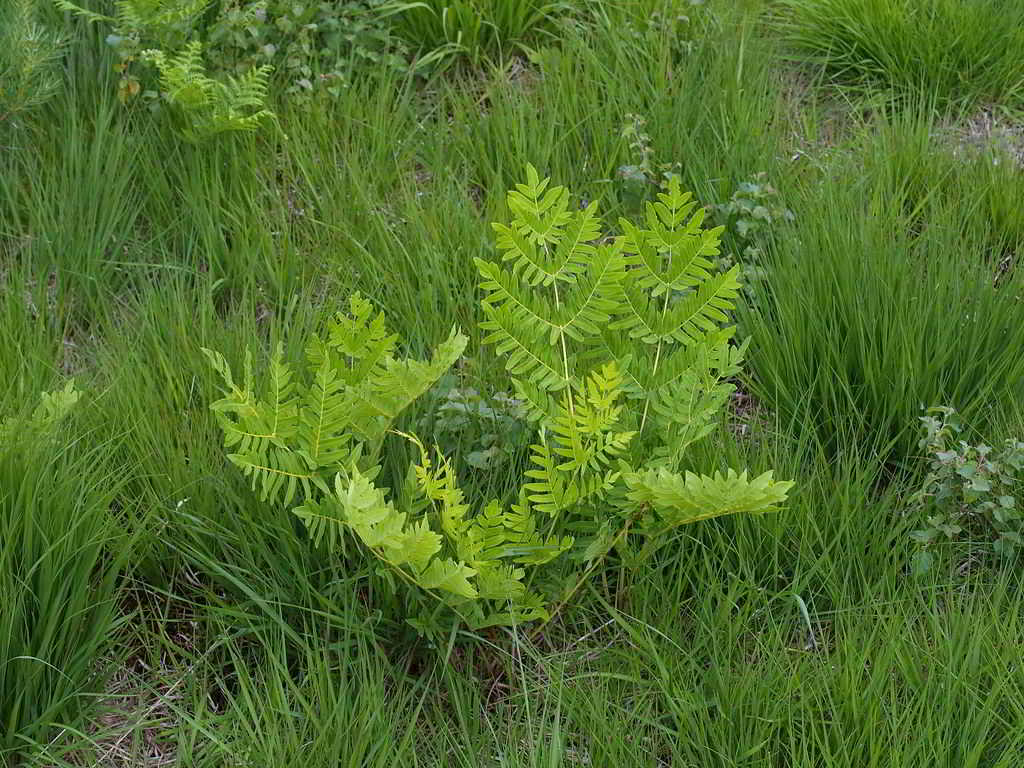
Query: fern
{"points": [[29, 60], [159, 22], [301, 430], [53, 408], [620, 349], [158, 32], [210, 107]]}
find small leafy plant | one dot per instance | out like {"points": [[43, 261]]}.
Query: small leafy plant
{"points": [[53, 408], [645, 175], [313, 45], [970, 490], [619, 358], [492, 425], [748, 217]]}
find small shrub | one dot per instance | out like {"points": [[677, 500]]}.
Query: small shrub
{"points": [[970, 490]]}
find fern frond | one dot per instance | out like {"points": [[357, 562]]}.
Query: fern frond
{"points": [[531, 311], [257, 424], [323, 520], [554, 490], [681, 499], [524, 542], [450, 576], [538, 265], [209, 107], [586, 435], [591, 302], [672, 254], [391, 387], [529, 355], [688, 321], [325, 417], [381, 527], [52, 409], [539, 216], [642, 380], [440, 485], [499, 581], [277, 472], [529, 606], [687, 412]]}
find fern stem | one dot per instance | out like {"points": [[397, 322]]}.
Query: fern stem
{"points": [[565, 353], [581, 580], [657, 360]]}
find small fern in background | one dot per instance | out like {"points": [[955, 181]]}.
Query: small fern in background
{"points": [[142, 24], [164, 33], [209, 107]]}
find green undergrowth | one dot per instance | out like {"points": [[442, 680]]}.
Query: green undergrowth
{"points": [[154, 608]]}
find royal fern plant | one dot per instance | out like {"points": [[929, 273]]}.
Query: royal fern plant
{"points": [[617, 347]]}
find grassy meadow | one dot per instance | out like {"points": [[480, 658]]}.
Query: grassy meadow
{"points": [[154, 612]]}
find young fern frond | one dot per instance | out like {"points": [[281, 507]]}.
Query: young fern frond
{"points": [[678, 499], [540, 216], [305, 430]]}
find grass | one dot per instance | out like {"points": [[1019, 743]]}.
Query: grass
{"points": [[59, 565], [888, 295], [155, 612], [962, 53]]}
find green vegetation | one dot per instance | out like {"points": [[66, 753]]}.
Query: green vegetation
{"points": [[160, 608], [29, 55]]}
